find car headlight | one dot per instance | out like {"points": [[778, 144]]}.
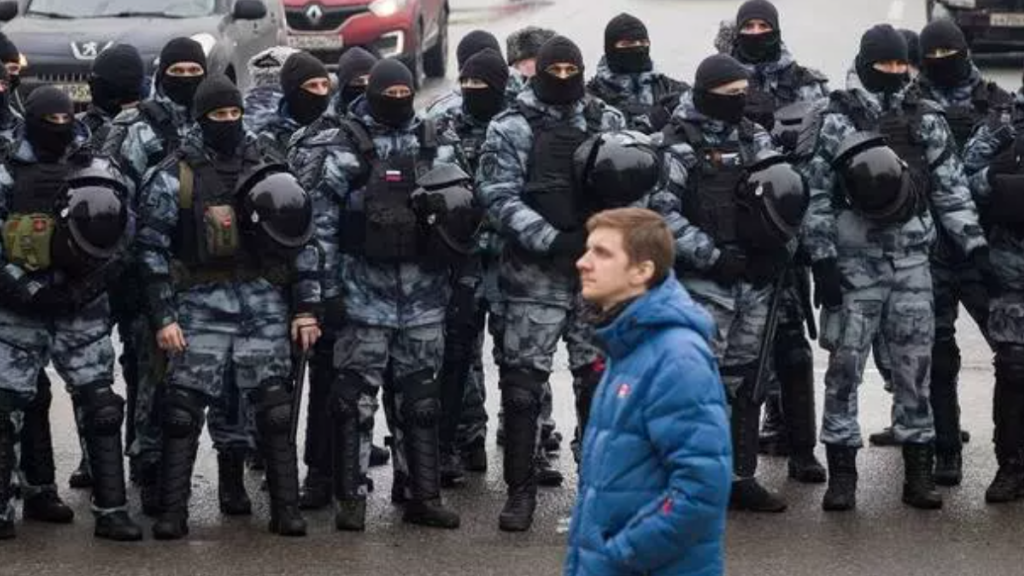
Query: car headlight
{"points": [[961, 3], [207, 41], [385, 8]]}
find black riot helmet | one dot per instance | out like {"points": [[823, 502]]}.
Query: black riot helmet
{"points": [[874, 179], [772, 200], [92, 222], [446, 208], [615, 169], [275, 211]]}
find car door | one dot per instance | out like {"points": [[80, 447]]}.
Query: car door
{"points": [[431, 12]]}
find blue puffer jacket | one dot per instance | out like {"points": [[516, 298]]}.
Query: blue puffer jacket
{"points": [[657, 460]]}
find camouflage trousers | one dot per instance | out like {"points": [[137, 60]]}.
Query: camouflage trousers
{"points": [[473, 423], [892, 298], [227, 428], [79, 347], [741, 315], [384, 357]]}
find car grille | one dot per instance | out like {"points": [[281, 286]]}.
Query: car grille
{"points": [[1010, 5], [63, 78], [331, 19]]}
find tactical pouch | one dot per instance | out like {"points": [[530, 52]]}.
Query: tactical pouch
{"points": [[220, 233], [28, 239]]}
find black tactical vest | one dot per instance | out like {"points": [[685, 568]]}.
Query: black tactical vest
{"points": [[549, 188], [378, 222], [763, 102], [471, 140], [709, 201], [158, 118], [665, 92]]}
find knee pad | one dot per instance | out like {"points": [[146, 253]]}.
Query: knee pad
{"points": [[420, 392], [792, 350], [521, 390], [1010, 362], [274, 402], [345, 393], [945, 358], [183, 413], [103, 409]]}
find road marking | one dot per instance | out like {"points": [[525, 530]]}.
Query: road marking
{"points": [[896, 11]]}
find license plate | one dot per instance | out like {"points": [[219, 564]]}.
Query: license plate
{"points": [[316, 41], [1006, 20], [79, 93]]}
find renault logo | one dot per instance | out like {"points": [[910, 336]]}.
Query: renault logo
{"points": [[88, 50], [314, 13]]}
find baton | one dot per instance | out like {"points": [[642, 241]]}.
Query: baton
{"points": [[301, 359], [768, 339]]}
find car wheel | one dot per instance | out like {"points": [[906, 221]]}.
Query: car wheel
{"points": [[435, 62]]}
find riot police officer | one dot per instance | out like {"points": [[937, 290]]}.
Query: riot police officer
{"points": [[60, 236], [626, 78], [709, 145], [471, 44], [115, 83], [869, 233], [388, 302], [264, 96], [537, 213], [992, 156], [476, 298], [521, 50], [218, 293], [306, 94], [12, 60], [353, 75]]}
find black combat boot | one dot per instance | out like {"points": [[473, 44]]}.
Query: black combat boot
{"points": [[7, 464], [182, 423], [379, 456], [795, 369], [885, 438], [453, 472], [521, 396], [747, 494], [42, 504], [546, 474], [946, 410], [103, 414], [841, 494], [234, 500], [1008, 412], [420, 413], [273, 402], [919, 486], [81, 477], [350, 512]]}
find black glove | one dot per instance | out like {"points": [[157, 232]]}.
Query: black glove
{"points": [[28, 290], [1004, 163], [730, 267], [567, 248], [981, 262], [828, 283], [334, 312]]}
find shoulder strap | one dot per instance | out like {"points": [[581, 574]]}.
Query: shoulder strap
{"points": [[159, 119], [360, 137], [593, 113], [186, 184]]}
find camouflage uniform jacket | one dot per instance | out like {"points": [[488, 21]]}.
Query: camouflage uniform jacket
{"points": [[786, 81], [139, 144], [832, 230], [635, 94], [159, 206], [404, 295], [694, 247], [501, 178]]}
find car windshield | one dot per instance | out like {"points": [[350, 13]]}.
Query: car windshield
{"points": [[120, 8]]}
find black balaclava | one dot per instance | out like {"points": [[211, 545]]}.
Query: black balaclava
{"points": [[393, 112], [354, 62], [303, 105], [180, 90], [951, 71], [713, 72], [758, 48], [913, 46], [116, 79], [881, 43], [49, 141], [551, 89], [627, 60], [5, 96], [9, 53], [483, 103], [213, 93], [473, 43]]}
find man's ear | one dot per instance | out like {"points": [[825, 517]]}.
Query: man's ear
{"points": [[643, 273]]}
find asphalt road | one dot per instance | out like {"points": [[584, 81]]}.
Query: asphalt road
{"points": [[882, 537]]}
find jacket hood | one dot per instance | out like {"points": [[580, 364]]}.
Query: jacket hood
{"points": [[771, 68], [622, 82], [528, 99], [667, 305]]}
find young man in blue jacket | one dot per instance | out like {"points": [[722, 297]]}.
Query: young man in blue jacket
{"points": [[657, 462]]}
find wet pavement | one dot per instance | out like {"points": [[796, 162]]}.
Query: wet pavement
{"points": [[882, 537]]}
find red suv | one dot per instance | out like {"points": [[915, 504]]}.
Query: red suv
{"points": [[415, 31]]}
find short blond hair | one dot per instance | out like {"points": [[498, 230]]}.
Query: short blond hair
{"points": [[645, 237]]}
